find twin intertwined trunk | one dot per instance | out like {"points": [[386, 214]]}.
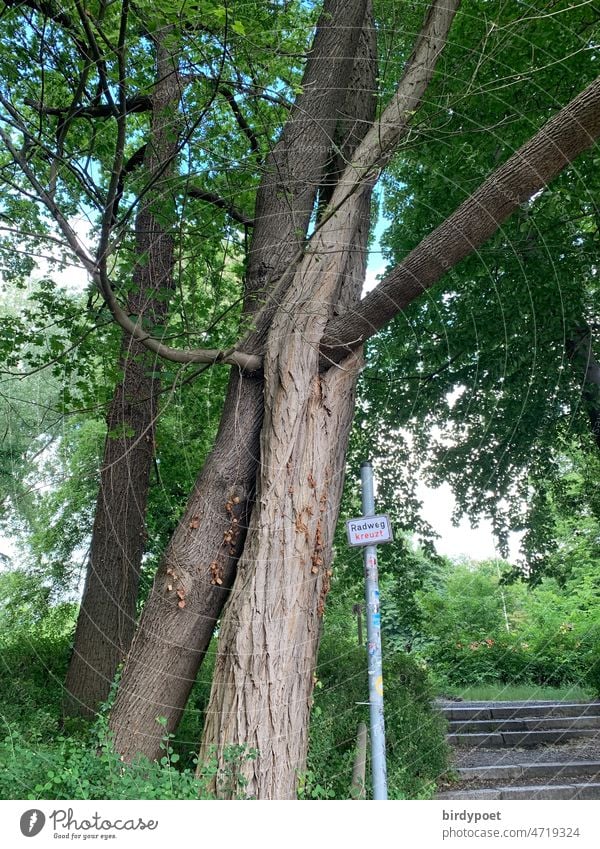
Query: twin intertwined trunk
{"points": [[107, 616], [263, 678], [221, 519]]}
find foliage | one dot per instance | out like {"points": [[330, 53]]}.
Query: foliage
{"points": [[86, 767], [415, 740], [478, 630], [40, 757], [76, 769], [34, 655], [476, 383]]}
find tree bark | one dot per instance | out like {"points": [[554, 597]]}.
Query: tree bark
{"points": [[263, 679], [107, 615], [199, 567], [580, 350]]}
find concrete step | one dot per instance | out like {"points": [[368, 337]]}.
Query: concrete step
{"points": [[500, 739], [530, 723], [529, 772], [533, 791], [515, 710]]}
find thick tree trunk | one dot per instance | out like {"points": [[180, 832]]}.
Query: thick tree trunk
{"points": [[193, 581], [580, 351], [197, 573], [263, 678], [106, 621]]}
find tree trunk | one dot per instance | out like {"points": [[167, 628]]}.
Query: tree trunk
{"points": [[199, 567], [107, 615], [263, 679], [580, 350]]}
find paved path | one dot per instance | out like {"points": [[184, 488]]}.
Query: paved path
{"points": [[523, 750]]}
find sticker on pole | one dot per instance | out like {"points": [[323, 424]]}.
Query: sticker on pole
{"points": [[369, 530]]}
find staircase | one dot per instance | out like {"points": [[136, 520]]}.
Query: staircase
{"points": [[523, 750]]}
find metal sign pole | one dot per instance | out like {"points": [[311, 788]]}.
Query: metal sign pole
{"points": [[373, 616]]}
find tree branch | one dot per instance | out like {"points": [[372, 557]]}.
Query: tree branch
{"points": [[382, 140], [136, 160], [221, 203], [46, 8], [231, 356], [572, 131], [46, 198], [30, 141], [112, 194], [242, 123], [137, 103], [96, 54]]}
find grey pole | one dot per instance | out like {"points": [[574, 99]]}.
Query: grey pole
{"points": [[378, 763]]}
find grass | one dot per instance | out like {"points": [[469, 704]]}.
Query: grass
{"points": [[517, 693]]}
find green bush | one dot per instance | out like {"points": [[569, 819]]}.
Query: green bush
{"points": [[551, 638], [41, 758], [416, 749], [33, 663], [72, 768]]}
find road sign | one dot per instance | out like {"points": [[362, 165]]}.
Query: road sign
{"points": [[369, 530]]}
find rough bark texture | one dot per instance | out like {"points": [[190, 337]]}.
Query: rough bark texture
{"points": [[172, 639], [193, 581], [269, 637], [263, 678], [106, 621]]}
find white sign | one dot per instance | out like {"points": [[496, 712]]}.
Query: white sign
{"points": [[369, 530]]}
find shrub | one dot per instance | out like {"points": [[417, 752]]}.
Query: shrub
{"points": [[416, 748], [72, 768]]}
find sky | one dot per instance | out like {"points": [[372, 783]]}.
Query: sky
{"points": [[464, 540], [475, 543]]}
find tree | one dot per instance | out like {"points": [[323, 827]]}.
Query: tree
{"points": [[149, 153], [267, 498], [494, 372], [107, 614]]}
